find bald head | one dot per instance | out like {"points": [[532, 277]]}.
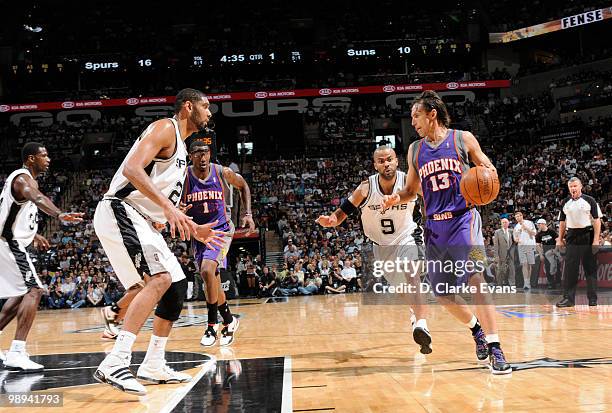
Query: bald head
{"points": [[384, 150]]}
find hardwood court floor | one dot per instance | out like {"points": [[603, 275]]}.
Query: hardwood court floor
{"points": [[341, 353]]}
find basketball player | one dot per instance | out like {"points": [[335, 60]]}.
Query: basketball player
{"points": [[395, 232], [206, 187], [19, 283], [453, 230], [146, 190]]}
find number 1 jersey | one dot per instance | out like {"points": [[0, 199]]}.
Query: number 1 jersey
{"points": [[167, 175], [398, 225]]}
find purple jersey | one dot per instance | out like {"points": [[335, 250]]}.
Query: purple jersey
{"points": [[207, 198], [440, 170]]}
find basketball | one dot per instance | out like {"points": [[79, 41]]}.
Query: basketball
{"points": [[480, 186]]}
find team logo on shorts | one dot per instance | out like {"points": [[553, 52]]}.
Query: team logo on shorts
{"points": [[156, 257]]}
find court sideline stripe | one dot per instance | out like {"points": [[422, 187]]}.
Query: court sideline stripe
{"points": [[287, 400], [181, 392]]}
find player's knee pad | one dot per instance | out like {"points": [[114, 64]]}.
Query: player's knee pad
{"points": [[170, 306]]}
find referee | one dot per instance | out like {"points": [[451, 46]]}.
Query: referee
{"points": [[580, 215]]}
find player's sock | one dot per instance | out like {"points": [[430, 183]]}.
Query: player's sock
{"points": [[124, 343], [18, 346], [155, 356], [226, 314], [473, 325], [421, 323], [492, 340], [212, 314]]}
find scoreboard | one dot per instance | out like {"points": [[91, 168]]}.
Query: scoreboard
{"points": [[206, 59]]}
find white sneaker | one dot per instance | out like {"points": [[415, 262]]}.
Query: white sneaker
{"points": [[21, 360], [162, 374], [210, 336], [115, 371], [109, 317], [228, 332]]}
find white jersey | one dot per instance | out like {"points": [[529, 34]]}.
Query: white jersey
{"points": [[398, 225], [168, 175], [18, 220]]}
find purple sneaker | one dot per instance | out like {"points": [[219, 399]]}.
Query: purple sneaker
{"points": [[482, 349], [498, 363]]}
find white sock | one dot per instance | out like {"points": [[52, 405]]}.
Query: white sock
{"points": [[18, 346], [492, 338], [124, 343], [421, 323], [156, 352], [472, 322]]}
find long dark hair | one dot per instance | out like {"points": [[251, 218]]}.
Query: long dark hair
{"points": [[430, 100]]}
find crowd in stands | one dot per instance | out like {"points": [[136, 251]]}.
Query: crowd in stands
{"points": [[288, 195], [583, 76]]}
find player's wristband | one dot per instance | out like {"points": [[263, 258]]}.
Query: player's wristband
{"points": [[347, 207]]}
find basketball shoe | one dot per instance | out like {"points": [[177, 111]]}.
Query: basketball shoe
{"points": [[228, 332], [422, 337], [115, 371], [497, 361], [210, 336], [161, 374], [20, 360], [111, 329], [482, 349]]}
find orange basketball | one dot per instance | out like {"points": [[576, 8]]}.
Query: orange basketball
{"points": [[480, 186]]}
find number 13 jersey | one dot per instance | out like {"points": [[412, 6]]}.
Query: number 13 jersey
{"points": [[167, 175], [440, 170], [398, 225]]}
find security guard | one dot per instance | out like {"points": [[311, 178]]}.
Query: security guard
{"points": [[580, 215]]}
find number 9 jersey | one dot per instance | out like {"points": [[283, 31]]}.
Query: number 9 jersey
{"points": [[167, 175], [398, 225]]}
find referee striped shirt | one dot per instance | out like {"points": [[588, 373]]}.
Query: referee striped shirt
{"points": [[579, 212]]}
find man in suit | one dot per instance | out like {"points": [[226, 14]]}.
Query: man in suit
{"points": [[503, 242]]}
